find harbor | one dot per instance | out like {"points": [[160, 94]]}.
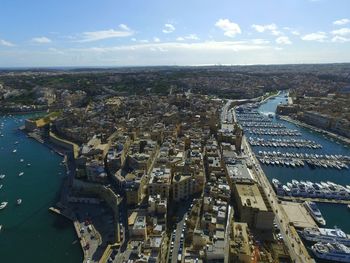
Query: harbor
{"points": [[33, 176], [303, 166]]}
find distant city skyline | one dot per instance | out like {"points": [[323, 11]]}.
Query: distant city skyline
{"points": [[42, 33]]}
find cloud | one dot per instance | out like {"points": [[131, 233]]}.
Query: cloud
{"points": [[6, 43], [168, 28], [339, 39], [156, 39], [41, 40], [260, 41], [318, 36], [272, 28], [230, 29], [235, 46], [188, 37], [341, 32], [283, 41], [123, 31], [341, 22]]}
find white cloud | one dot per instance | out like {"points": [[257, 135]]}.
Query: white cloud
{"points": [[133, 39], [124, 27], [339, 39], [236, 46], [6, 43], [341, 32], [188, 37], [144, 41], [260, 41], [124, 31], [41, 40], [318, 36], [156, 39], [283, 40], [341, 22], [168, 28], [272, 28], [231, 29]]}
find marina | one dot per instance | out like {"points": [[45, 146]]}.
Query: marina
{"points": [[318, 172], [322, 190], [28, 198]]}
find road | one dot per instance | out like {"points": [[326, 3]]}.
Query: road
{"points": [[296, 248]]}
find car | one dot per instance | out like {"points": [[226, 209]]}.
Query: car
{"points": [[82, 230]]}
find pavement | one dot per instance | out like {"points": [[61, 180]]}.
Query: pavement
{"points": [[100, 217], [179, 231], [291, 239]]}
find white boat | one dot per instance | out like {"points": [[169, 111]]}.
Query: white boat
{"points": [[21, 173], [327, 235], [21, 160], [331, 251], [315, 212], [14, 151], [3, 205], [28, 164], [19, 201], [1, 186], [2, 176]]}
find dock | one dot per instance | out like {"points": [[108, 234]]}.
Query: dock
{"points": [[311, 199], [298, 215]]}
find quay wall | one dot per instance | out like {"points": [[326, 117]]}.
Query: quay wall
{"points": [[330, 134], [65, 144], [106, 194]]}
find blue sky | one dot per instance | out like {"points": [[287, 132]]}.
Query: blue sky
{"points": [[178, 32]]}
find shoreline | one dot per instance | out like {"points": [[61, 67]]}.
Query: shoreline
{"points": [[316, 129], [58, 208]]}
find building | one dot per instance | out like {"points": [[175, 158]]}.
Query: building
{"points": [[159, 183], [241, 248], [253, 206]]}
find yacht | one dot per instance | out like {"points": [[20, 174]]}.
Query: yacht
{"points": [[2, 176], [3, 205], [1, 186], [325, 235], [331, 251], [14, 151], [21, 173], [21, 160], [19, 201], [315, 212]]}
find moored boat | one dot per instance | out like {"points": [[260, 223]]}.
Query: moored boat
{"points": [[315, 212], [331, 251]]}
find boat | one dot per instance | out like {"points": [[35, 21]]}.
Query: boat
{"points": [[28, 164], [327, 235], [315, 212], [21, 173], [21, 160], [349, 207], [2, 176], [19, 201], [0, 227], [331, 251], [3, 205], [1, 186], [14, 151]]}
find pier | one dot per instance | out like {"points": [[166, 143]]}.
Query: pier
{"points": [[318, 200]]}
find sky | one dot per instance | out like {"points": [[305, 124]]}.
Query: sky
{"points": [[55, 33]]}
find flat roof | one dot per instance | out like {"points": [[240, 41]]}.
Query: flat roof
{"points": [[298, 215], [250, 196]]}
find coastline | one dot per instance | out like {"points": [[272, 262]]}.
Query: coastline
{"points": [[319, 130], [59, 208]]}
